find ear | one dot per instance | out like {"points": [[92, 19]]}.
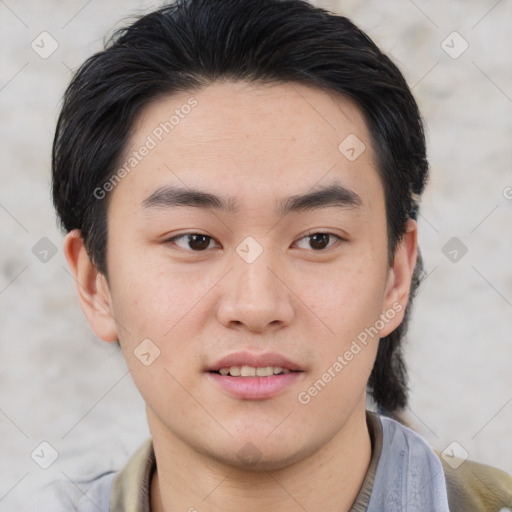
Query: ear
{"points": [[398, 287], [92, 288]]}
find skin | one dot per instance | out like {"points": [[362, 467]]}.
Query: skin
{"points": [[258, 144]]}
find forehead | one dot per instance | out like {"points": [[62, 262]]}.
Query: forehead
{"points": [[249, 141]]}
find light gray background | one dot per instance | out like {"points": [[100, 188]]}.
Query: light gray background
{"points": [[60, 384]]}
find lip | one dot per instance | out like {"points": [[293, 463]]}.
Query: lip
{"points": [[255, 388], [256, 360]]}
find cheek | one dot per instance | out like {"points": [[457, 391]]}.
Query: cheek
{"points": [[153, 300], [162, 313], [348, 303], [158, 315], [349, 309], [348, 298]]}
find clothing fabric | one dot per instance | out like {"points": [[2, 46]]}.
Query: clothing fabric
{"points": [[405, 474]]}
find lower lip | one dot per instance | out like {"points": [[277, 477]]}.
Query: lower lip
{"points": [[255, 388]]}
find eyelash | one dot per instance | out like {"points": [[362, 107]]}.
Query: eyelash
{"points": [[309, 235]]}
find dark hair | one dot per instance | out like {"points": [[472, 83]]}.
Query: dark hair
{"points": [[190, 44]]}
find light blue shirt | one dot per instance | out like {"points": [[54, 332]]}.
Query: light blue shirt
{"points": [[409, 476]]}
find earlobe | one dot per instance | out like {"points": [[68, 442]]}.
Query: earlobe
{"points": [[92, 288], [400, 275]]}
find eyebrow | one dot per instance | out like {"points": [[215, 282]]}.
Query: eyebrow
{"points": [[332, 195]]}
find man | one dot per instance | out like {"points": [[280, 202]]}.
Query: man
{"points": [[239, 180]]}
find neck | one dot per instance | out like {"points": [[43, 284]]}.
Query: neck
{"points": [[329, 479]]}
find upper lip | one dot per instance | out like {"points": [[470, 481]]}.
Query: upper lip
{"points": [[255, 360]]}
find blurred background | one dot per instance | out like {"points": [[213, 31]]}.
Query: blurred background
{"points": [[62, 386]]}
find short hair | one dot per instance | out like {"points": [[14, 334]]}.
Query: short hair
{"points": [[190, 44]]}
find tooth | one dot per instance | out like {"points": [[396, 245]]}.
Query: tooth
{"points": [[251, 371], [248, 371], [235, 371], [264, 371]]}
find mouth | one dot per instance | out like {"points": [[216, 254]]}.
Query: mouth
{"points": [[250, 376], [252, 371]]}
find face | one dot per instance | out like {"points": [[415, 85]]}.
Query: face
{"points": [[279, 277]]}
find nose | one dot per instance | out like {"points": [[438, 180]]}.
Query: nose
{"points": [[255, 295]]}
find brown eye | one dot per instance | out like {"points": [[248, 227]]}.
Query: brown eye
{"points": [[194, 241], [319, 241]]}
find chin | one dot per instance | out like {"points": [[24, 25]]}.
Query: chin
{"points": [[254, 456]]}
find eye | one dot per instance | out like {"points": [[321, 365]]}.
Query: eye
{"points": [[194, 241], [197, 242], [320, 241]]}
